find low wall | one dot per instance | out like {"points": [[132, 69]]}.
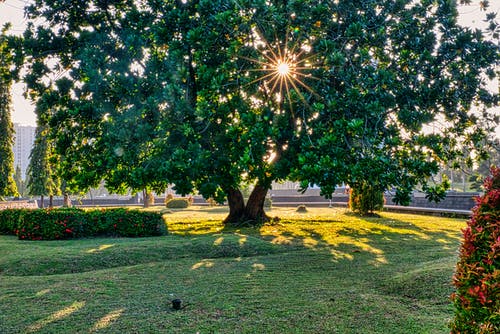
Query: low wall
{"points": [[453, 201], [18, 205]]}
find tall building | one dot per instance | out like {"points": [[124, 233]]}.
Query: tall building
{"points": [[24, 139]]}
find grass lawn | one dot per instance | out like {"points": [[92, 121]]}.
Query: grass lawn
{"points": [[325, 271]]}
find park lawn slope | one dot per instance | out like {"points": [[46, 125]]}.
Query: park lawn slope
{"points": [[325, 271]]}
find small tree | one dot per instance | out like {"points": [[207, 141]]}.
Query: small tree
{"points": [[366, 198], [18, 178], [7, 76], [477, 276], [42, 180]]}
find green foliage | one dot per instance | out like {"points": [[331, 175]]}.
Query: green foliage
{"points": [[68, 223], [481, 173], [127, 223], [477, 276], [20, 184], [7, 76], [42, 179], [9, 220], [183, 92], [365, 198], [49, 224], [178, 203]]}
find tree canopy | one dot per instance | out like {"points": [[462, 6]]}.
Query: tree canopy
{"points": [[208, 95]]}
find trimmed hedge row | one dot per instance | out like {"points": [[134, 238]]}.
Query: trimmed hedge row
{"points": [[64, 223], [9, 219]]}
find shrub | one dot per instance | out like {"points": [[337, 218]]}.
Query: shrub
{"points": [[9, 220], [477, 276], [49, 224], [130, 223], [169, 197], [365, 198], [268, 202], [178, 203], [211, 202], [301, 208]]}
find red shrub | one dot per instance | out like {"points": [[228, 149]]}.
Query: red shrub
{"points": [[477, 277]]}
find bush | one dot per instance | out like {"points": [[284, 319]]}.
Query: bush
{"points": [[131, 223], [268, 202], [169, 197], [49, 224], [178, 203], [9, 220], [365, 199], [211, 202], [477, 276], [301, 208]]}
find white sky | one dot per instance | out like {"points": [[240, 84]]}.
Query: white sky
{"points": [[12, 11]]}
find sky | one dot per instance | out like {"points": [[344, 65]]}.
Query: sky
{"points": [[12, 11]]}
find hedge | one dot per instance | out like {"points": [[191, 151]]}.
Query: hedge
{"points": [[9, 220], [64, 223]]}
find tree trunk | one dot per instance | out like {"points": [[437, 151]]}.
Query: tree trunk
{"points": [[51, 201], [148, 198], [145, 202], [151, 198], [236, 207], [254, 209], [41, 201]]}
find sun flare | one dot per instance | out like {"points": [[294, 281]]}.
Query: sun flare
{"points": [[285, 69]]}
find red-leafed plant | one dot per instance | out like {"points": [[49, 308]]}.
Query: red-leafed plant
{"points": [[477, 277]]}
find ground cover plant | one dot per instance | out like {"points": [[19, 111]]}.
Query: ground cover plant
{"points": [[322, 271]]}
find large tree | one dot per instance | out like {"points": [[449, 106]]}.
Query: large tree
{"points": [[402, 80], [9, 58], [208, 95]]}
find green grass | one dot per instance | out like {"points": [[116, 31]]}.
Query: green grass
{"points": [[325, 271]]}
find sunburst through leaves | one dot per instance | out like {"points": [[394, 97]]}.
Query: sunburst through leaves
{"points": [[284, 68]]}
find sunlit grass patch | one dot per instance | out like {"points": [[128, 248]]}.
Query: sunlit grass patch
{"points": [[325, 271]]}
